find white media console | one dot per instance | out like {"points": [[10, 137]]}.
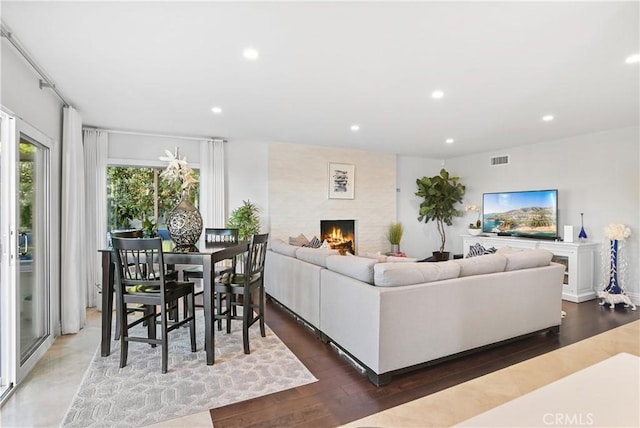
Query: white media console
{"points": [[579, 283]]}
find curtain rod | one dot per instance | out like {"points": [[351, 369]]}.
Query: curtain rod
{"points": [[45, 82], [148, 134]]}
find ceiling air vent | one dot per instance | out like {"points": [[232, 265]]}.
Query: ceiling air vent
{"points": [[500, 160]]}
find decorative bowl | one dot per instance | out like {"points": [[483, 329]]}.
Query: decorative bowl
{"points": [[475, 232]]}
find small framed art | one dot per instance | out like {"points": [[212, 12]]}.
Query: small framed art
{"points": [[341, 180]]}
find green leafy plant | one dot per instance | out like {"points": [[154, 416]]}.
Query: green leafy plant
{"points": [[245, 218], [440, 195], [394, 234]]}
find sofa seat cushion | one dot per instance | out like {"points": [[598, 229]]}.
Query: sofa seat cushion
{"points": [[527, 259], [316, 256], [480, 265], [281, 247], [360, 268], [396, 274]]}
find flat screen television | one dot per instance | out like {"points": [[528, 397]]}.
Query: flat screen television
{"points": [[530, 214]]}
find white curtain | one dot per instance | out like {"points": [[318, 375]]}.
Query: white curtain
{"points": [[212, 183], [96, 145], [73, 248]]}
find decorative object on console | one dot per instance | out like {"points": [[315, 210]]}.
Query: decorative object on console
{"points": [[582, 235], [184, 222], [474, 229], [440, 195], [613, 292], [341, 181], [394, 235]]}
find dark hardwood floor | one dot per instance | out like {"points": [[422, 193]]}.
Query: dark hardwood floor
{"points": [[343, 394]]}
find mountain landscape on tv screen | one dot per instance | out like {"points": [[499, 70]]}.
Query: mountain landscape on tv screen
{"points": [[525, 221]]}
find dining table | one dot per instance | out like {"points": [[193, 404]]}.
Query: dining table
{"points": [[206, 254]]}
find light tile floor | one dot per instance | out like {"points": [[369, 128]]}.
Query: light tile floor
{"points": [[461, 402], [43, 399]]}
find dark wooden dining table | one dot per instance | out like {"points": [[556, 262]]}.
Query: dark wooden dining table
{"points": [[205, 255]]}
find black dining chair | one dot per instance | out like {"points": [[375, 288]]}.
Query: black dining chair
{"points": [[140, 279], [170, 273], [241, 289], [214, 237]]}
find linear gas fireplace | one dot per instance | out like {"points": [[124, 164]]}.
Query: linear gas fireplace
{"points": [[340, 234]]}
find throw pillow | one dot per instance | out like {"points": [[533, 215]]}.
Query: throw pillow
{"points": [[478, 250], [314, 243], [299, 240], [475, 250], [325, 244]]}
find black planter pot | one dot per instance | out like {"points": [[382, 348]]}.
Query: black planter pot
{"points": [[441, 256]]}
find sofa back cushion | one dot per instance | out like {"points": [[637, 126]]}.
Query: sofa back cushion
{"points": [[360, 268], [480, 265], [281, 247], [316, 256], [395, 274], [526, 259]]}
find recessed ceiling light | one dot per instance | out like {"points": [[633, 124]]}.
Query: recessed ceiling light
{"points": [[449, 140], [216, 110], [633, 59], [437, 94], [250, 53], [547, 118], [355, 128]]}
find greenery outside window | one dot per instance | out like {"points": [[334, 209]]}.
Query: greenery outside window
{"points": [[137, 198]]}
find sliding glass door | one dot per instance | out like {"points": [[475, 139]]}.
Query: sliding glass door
{"points": [[25, 221]]}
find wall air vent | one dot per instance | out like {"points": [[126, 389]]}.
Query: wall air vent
{"points": [[500, 160]]}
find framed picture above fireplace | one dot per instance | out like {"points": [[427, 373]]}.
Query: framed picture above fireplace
{"points": [[341, 180]]}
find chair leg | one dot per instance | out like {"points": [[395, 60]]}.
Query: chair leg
{"points": [[151, 323], [124, 335], [165, 349], [246, 310], [218, 300], [191, 302], [229, 298], [263, 333]]}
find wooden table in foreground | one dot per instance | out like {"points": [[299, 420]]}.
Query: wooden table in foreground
{"points": [[207, 257]]}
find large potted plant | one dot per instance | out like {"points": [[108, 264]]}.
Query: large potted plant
{"points": [[245, 218], [440, 193]]}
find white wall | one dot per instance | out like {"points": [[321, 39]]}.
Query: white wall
{"points": [[42, 109], [596, 174], [298, 193]]}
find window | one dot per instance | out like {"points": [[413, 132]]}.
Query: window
{"points": [[137, 198]]}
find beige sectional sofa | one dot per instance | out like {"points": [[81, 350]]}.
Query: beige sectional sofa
{"points": [[394, 317]]}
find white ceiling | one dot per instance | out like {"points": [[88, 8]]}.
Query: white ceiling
{"points": [[160, 66]]}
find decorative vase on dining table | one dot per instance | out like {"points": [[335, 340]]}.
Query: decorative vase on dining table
{"points": [[185, 224]]}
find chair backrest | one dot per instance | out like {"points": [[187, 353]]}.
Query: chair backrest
{"points": [[132, 233], [220, 237], [138, 262], [254, 263]]}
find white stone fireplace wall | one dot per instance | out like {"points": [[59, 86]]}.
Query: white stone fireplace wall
{"points": [[298, 193]]}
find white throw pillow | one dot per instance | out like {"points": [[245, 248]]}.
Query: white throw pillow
{"points": [[316, 256], [281, 247], [480, 265], [527, 259], [360, 268], [396, 274]]}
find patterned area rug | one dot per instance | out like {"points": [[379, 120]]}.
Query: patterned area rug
{"points": [[139, 394]]}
